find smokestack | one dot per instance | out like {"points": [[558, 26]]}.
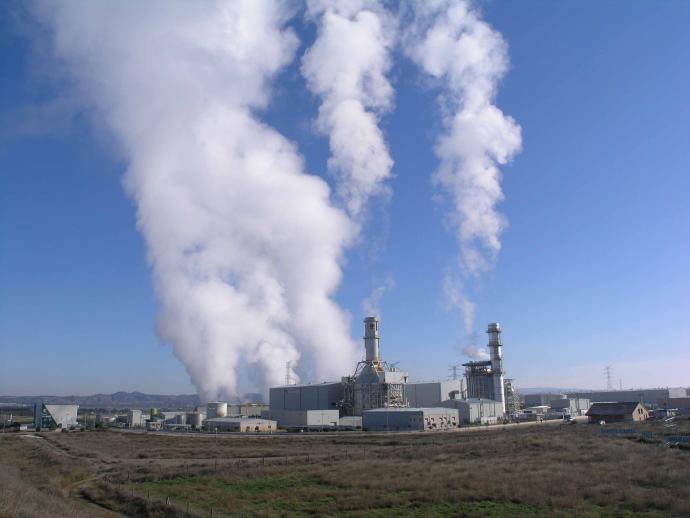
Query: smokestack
{"points": [[496, 354], [371, 339]]}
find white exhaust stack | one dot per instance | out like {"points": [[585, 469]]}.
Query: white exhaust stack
{"points": [[496, 354], [371, 339]]}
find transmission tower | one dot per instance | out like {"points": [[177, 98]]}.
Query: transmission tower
{"points": [[608, 374], [454, 371], [288, 375]]}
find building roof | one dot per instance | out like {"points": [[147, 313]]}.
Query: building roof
{"points": [[407, 409], [617, 408], [234, 419]]}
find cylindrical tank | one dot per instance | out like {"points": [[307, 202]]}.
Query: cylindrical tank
{"points": [[194, 419], [154, 412], [216, 409], [180, 419]]}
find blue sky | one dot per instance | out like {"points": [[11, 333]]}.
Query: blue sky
{"points": [[594, 265]]}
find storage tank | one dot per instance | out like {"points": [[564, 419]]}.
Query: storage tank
{"points": [[216, 409], [154, 412], [181, 419], [194, 419]]}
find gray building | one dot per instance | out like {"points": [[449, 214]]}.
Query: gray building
{"points": [[304, 419], [432, 394], [409, 419], [477, 411], [324, 396], [648, 397], [54, 417], [240, 424]]}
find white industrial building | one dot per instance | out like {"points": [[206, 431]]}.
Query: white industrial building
{"points": [[476, 411], [55, 417], [409, 419], [240, 424]]}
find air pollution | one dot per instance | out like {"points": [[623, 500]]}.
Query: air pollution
{"points": [[245, 246], [466, 60]]}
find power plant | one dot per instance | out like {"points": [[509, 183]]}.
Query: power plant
{"points": [[485, 378], [377, 385]]}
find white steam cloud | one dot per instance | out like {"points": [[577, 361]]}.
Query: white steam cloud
{"points": [[467, 58], [346, 67], [244, 246], [370, 305]]}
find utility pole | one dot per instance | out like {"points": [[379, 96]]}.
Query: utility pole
{"points": [[609, 377]]}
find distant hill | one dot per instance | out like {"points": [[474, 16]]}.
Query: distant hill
{"points": [[116, 400]]}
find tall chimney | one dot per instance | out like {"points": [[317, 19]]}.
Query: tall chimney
{"points": [[496, 352], [371, 339]]}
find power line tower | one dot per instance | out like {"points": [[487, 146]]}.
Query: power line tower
{"points": [[608, 374], [454, 372], [288, 373]]}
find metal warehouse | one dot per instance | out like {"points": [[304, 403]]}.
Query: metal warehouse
{"points": [[400, 419]]}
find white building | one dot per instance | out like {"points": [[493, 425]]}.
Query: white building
{"points": [[240, 424], [54, 417]]}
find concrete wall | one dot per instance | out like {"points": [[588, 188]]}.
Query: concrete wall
{"points": [[405, 419]]}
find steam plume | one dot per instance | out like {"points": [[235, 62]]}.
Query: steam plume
{"points": [[467, 58], [346, 67], [370, 305], [244, 246]]}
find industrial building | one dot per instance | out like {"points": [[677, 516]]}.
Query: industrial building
{"points": [[648, 397], [377, 384], [476, 411], [485, 378], [216, 409], [542, 398], [324, 396], [409, 419], [572, 406], [304, 419], [240, 424], [621, 411], [432, 394], [55, 417]]}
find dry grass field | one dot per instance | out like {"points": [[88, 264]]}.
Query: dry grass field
{"points": [[544, 470]]}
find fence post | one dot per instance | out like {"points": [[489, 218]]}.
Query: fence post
{"points": [[167, 500]]}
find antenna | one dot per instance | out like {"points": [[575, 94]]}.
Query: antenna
{"points": [[454, 372], [609, 376]]}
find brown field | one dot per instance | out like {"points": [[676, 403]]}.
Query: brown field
{"points": [[543, 470]]}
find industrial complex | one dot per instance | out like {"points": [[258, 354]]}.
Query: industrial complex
{"points": [[377, 396]]}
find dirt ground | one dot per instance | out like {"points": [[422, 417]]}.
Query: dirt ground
{"points": [[533, 471]]}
